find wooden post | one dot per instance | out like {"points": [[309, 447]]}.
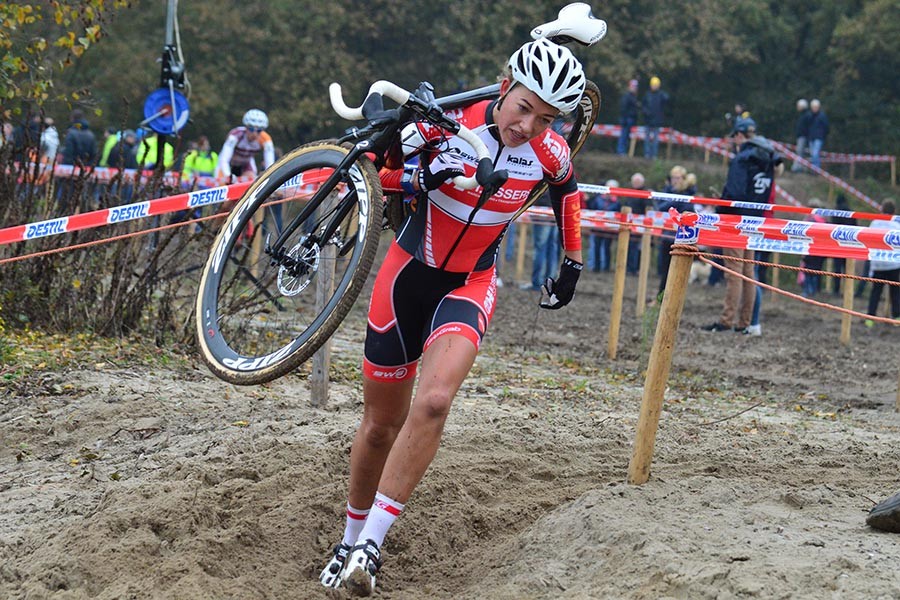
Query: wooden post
{"points": [[615, 315], [669, 148], [658, 368], [321, 360], [632, 145], [776, 272], [846, 319], [894, 171], [852, 169], [520, 250], [830, 195], [706, 156], [643, 273]]}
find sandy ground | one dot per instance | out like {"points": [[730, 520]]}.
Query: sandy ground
{"points": [[130, 481]]}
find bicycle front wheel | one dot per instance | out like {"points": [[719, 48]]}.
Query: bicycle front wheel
{"points": [[263, 308]]}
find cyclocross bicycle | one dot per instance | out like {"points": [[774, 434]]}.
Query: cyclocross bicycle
{"points": [[278, 283]]}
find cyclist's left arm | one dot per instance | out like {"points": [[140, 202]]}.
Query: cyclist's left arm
{"points": [[268, 148]]}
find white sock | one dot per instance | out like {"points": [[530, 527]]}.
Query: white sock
{"points": [[383, 514], [356, 518]]}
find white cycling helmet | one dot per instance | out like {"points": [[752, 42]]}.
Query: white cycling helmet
{"points": [[551, 71], [256, 118]]}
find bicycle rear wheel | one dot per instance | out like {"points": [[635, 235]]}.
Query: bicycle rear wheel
{"points": [[260, 314]]}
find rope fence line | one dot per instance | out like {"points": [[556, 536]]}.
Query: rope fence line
{"points": [[704, 257]]}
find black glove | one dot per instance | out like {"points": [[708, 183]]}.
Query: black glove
{"points": [[441, 168], [562, 289]]}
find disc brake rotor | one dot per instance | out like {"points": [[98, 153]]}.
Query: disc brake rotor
{"points": [[291, 283]]}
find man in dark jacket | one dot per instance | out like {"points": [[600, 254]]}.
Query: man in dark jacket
{"points": [[751, 177], [628, 116], [655, 106], [801, 131], [80, 147], [818, 131]]}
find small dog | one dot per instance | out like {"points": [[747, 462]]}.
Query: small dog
{"points": [[699, 272]]}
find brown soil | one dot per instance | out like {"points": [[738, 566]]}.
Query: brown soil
{"points": [[122, 481]]}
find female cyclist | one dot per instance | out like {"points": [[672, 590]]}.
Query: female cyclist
{"points": [[434, 295]]}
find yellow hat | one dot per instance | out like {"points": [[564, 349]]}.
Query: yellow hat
{"points": [[654, 81]]}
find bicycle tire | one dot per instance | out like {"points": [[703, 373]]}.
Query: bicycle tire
{"points": [[257, 318]]}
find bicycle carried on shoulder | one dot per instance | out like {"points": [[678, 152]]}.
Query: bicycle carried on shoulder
{"points": [[273, 290]]}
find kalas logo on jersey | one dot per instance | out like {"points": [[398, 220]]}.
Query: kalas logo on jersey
{"points": [[210, 196], [892, 239], [795, 229], [846, 236], [46, 228], [518, 160], [128, 213]]}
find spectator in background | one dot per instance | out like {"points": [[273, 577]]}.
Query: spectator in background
{"points": [[123, 154], [148, 152], [818, 131], [839, 265], [680, 182], [638, 207], [599, 256], [740, 110], [546, 249], [80, 145], [49, 141], [110, 138], [801, 131], [199, 162], [885, 271], [654, 107], [7, 134], [751, 175], [26, 138], [628, 116]]}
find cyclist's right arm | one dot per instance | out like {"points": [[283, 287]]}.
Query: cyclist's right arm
{"points": [[223, 169]]}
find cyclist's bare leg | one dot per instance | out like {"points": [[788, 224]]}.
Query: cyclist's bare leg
{"points": [[444, 367], [385, 410]]}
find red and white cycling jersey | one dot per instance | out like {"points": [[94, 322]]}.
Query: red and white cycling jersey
{"points": [[443, 232], [238, 152]]}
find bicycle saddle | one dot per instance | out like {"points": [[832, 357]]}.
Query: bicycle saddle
{"points": [[576, 23]]}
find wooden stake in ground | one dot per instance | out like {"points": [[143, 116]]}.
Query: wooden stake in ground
{"points": [[321, 360], [776, 272], [520, 250], [846, 319], [643, 274], [658, 368], [615, 315]]}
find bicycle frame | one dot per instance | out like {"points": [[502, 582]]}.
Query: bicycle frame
{"points": [[386, 125]]}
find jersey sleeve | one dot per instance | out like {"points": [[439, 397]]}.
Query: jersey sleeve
{"points": [[268, 153], [554, 155], [565, 198]]}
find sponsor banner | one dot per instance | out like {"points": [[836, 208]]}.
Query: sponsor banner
{"points": [[117, 214]]}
